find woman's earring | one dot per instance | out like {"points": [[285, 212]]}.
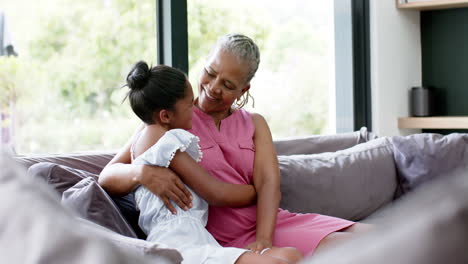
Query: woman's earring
{"points": [[243, 100]]}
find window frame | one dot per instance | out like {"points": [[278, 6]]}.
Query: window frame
{"points": [[172, 33], [361, 64]]}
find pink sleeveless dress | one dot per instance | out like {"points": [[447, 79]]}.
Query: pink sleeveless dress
{"points": [[228, 154]]}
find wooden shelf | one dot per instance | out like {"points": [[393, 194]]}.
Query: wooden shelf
{"points": [[434, 122], [433, 5]]}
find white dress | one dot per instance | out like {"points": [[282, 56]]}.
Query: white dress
{"points": [[186, 230]]}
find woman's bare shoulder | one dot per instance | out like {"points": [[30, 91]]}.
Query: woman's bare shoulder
{"points": [[258, 120]]}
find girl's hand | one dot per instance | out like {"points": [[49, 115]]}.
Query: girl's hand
{"points": [[259, 245]]}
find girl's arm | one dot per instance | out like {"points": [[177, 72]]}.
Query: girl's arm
{"points": [[214, 191], [267, 183], [119, 177]]}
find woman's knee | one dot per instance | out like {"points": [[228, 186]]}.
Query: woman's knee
{"points": [[250, 257], [294, 254], [332, 240], [289, 254], [358, 228]]}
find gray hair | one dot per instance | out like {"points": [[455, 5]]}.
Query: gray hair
{"points": [[244, 48]]}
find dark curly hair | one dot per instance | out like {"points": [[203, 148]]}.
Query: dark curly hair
{"points": [[154, 88]]}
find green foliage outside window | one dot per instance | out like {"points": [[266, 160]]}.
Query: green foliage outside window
{"points": [[77, 55], [78, 58], [291, 87], [11, 72]]}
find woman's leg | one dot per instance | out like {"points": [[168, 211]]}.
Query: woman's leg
{"points": [[273, 255], [332, 240], [251, 257], [358, 228], [342, 235]]}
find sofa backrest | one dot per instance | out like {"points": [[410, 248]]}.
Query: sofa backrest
{"points": [[341, 168], [322, 143], [92, 162]]}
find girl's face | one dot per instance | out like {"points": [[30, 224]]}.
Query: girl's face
{"points": [[182, 115], [221, 82]]}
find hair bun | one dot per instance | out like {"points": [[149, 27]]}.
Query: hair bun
{"points": [[138, 76]]}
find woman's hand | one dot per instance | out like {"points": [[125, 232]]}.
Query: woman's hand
{"points": [[259, 245], [165, 184], [120, 177]]}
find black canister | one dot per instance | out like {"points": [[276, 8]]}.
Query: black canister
{"points": [[422, 101]]}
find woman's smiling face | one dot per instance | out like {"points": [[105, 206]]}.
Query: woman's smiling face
{"points": [[221, 82]]}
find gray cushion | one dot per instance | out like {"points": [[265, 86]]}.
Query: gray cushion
{"points": [[350, 184], [423, 157], [89, 200], [36, 228], [322, 143], [60, 177], [427, 226]]}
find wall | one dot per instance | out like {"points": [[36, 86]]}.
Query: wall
{"points": [[444, 43], [395, 64]]}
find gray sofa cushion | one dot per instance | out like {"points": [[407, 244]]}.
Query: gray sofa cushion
{"points": [[92, 161], [420, 158], [36, 228], [89, 200], [427, 226], [322, 143], [350, 184], [60, 177]]}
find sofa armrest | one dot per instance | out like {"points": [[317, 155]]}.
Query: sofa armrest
{"points": [[39, 229]]}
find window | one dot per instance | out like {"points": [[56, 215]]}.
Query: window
{"points": [[294, 88], [73, 59], [74, 56]]}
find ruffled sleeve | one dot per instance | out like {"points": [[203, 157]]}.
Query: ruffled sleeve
{"points": [[161, 153]]}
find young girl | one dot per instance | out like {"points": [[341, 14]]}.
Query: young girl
{"points": [[162, 98]]}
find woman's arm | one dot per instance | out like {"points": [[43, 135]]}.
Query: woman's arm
{"points": [[214, 191], [267, 183], [119, 177]]}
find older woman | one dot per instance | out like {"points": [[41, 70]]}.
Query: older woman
{"points": [[237, 148]]}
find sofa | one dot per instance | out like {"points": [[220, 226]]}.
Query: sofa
{"points": [[356, 176]]}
